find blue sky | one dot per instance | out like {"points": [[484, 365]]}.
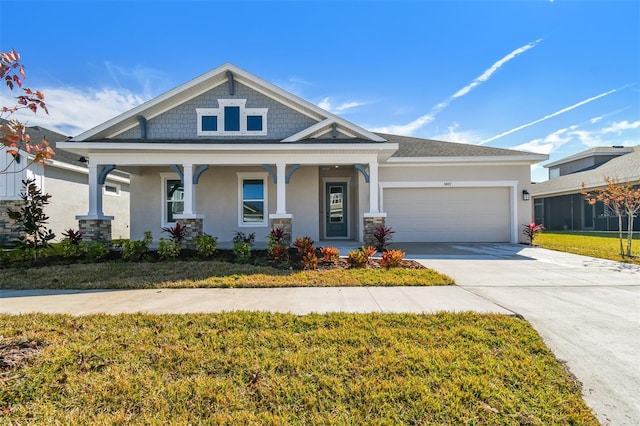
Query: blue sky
{"points": [[554, 77]]}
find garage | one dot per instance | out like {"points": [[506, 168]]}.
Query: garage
{"points": [[451, 214]]}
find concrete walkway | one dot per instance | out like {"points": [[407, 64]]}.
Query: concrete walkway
{"points": [[587, 310]]}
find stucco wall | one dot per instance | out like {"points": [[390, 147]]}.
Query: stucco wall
{"points": [[70, 197], [181, 121]]}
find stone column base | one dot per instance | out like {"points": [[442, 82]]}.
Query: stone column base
{"points": [[283, 223], [371, 222], [194, 229], [95, 230]]}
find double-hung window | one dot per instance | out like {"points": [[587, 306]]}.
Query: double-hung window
{"points": [[232, 118], [252, 197]]}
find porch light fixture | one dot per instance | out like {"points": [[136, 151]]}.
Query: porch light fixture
{"points": [[525, 195]]}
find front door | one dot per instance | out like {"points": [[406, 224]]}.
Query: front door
{"points": [[336, 210]]}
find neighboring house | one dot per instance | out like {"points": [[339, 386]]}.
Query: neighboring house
{"points": [[229, 151], [558, 204], [65, 178]]}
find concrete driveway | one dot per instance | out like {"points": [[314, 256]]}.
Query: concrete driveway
{"points": [[586, 310]]}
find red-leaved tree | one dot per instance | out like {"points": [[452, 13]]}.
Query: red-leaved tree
{"points": [[621, 199], [13, 135]]}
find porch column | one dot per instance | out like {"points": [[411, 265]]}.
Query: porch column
{"points": [[95, 226], [189, 193], [373, 188], [95, 192], [281, 207], [281, 219], [374, 218]]}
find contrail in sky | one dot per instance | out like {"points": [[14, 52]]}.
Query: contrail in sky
{"points": [[546, 117]]}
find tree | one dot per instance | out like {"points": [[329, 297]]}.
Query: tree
{"points": [[13, 135], [31, 219], [621, 199]]}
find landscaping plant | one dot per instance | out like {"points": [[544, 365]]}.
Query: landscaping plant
{"points": [[206, 245], [177, 233], [392, 258], [383, 236], [360, 258], [532, 230], [307, 252], [168, 249], [330, 254], [31, 219], [242, 251], [134, 251], [241, 237], [623, 200]]}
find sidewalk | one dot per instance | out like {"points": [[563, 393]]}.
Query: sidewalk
{"points": [[302, 300]]}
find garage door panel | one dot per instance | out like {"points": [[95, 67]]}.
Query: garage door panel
{"points": [[448, 214]]}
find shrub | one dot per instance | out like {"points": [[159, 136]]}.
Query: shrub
{"points": [[392, 258], [177, 233], [310, 261], [242, 251], [71, 249], [279, 253], [31, 219], [531, 231], [136, 250], [73, 236], [303, 244], [95, 251], [206, 245], [360, 258], [168, 249], [276, 237], [241, 237], [330, 254], [383, 236]]}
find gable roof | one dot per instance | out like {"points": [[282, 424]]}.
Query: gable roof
{"points": [[417, 148], [625, 169], [208, 81]]}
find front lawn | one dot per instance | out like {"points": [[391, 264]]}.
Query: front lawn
{"points": [[604, 245], [120, 275], [265, 368]]}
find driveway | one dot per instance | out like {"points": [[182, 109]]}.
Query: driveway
{"points": [[587, 311]]}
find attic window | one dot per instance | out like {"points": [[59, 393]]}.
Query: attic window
{"points": [[232, 118]]}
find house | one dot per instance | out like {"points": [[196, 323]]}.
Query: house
{"points": [[229, 151], [65, 178], [558, 204]]}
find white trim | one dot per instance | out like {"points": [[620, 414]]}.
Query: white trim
{"points": [[265, 185], [308, 131], [511, 184], [220, 114]]}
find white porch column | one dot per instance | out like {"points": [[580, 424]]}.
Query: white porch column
{"points": [[189, 192], [373, 188], [95, 192], [281, 207]]}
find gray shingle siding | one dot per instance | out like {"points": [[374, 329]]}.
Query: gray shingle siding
{"points": [[181, 121]]}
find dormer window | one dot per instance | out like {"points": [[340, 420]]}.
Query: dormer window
{"points": [[232, 118]]}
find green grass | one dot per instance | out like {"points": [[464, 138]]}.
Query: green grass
{"points": [[262, 368], [603, 245], [112, 275]]}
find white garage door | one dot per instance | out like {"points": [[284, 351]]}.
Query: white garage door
{"points": [[448, 214]]}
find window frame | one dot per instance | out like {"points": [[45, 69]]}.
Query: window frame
{"points": [[219, 112], [165, 177], [264, 176]]}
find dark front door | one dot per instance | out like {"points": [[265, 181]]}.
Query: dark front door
{"points": [[336, 209]]}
